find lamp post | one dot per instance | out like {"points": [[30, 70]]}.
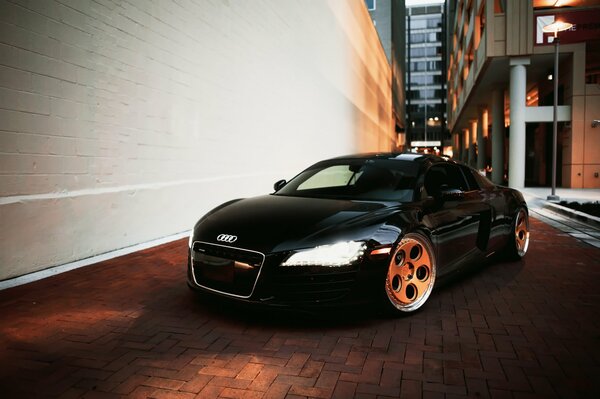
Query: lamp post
{"points": [[554, 28]]}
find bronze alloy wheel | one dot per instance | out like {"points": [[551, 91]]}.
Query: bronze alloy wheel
{"points": [[521, 233], [411, 273]]}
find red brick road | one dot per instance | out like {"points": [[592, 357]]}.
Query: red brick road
{"points": [[130, 327]]}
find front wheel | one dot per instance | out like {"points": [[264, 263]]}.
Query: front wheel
{"points": [[411, 274], [518, 242]]}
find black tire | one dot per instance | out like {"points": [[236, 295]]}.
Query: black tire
{"points": [[411, 275]]}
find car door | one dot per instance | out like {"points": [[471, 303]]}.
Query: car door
{"points": [[479, 201], [499, 221], [453, 214]]}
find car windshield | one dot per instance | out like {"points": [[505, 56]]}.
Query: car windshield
{"points": [[356, 179]]}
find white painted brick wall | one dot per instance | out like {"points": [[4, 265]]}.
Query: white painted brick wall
{"points": [[124, 121]]}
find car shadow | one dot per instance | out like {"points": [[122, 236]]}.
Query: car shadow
{"points": [[490, 276], [277, 317], [502, 270]]}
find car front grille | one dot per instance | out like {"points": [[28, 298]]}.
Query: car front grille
{"points": [[227, 270], [311, 285]]}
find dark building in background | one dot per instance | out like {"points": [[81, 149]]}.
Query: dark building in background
{"points": [[426, 78], [389, 19]]}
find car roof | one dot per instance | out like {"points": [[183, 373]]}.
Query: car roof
{"points": [[403, 156]]}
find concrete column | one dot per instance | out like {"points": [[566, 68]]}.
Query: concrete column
{"points": [[482, 128], [516, 150], [498, 136], [465, 147], [472, 132], [455, 145]]}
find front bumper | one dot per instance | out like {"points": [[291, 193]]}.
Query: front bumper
{"points": [[302, 287]]}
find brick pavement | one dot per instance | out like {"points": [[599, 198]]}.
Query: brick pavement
{"points": [[130, 327]]}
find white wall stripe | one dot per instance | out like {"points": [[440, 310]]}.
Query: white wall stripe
{"points": [[120, 189], [52, 271]]}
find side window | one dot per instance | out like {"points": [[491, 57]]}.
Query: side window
{"points": [[444, 176], [456, 178], [434, 179], [471, 180], [482, 180]]}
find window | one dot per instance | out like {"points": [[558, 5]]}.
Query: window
{"points": [[424, 94], [440, 177], [421, 80], [420, 108], [418, 66], [425, 51], [431, 37], [482, 180], [371, 4], [334, 176], [433, 51], [422, 66], [435, 22], [418, 24], [417, 52], [470, 176], [418, 37], [435, 37], [434, 66], [360, 179], [425, 80]]}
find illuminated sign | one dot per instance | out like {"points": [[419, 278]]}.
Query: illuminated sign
{"points": [[425, 143], [586, 26]]}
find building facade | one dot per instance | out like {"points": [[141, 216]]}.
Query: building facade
{"points": [[388, 19], [426, 77], [501, 90]]}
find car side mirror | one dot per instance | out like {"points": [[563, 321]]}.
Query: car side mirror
{"points": [[451, 194], [279, 184]]}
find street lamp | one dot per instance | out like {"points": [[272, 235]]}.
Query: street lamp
{"points": [[555, 27]]}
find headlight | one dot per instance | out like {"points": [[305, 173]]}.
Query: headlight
{"points": [[339, 254]]}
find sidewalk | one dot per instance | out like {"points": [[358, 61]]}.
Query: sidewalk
{"points": [[565, 194], [577, 224]]}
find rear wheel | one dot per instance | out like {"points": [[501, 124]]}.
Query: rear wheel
{"points": [[518, 242], [411, 274]]}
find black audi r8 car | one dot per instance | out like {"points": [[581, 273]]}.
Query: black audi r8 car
{"points": [[379, 228]]}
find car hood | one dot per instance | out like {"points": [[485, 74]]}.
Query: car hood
{"points": [[274, 223]]}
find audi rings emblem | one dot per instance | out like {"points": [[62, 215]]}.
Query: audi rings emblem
{"points": [[228, 238]]}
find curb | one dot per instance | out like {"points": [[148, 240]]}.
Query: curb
{"points": [[573, 214]]}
